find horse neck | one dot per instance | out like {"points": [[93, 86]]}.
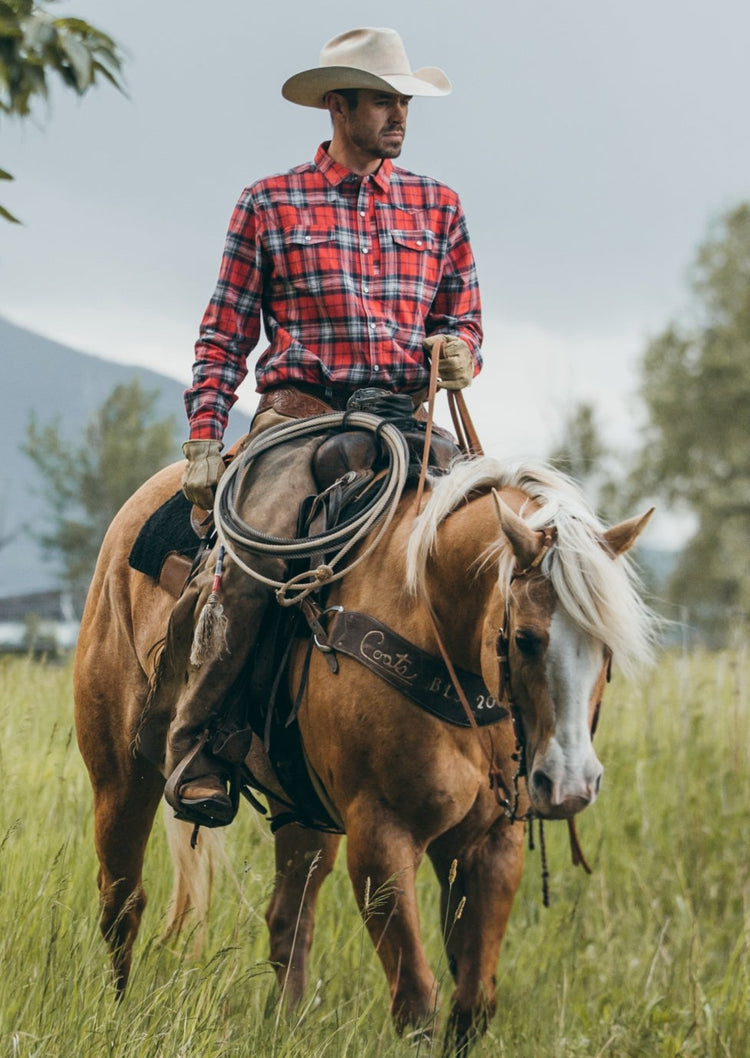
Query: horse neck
{"points": [[462, 585]]}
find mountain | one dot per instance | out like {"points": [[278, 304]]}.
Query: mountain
{"points": [[56, 383], [59, 383]]}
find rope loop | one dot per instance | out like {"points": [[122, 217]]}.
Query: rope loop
{"points": [[235, 534], [302, 585]]}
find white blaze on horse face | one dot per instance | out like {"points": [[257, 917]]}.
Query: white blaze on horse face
{"points": [[566, 773]]}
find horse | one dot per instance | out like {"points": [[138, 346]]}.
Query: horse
{"points": [[505, 570]]}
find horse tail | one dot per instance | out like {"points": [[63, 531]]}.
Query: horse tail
{"points": [[193, 879]]}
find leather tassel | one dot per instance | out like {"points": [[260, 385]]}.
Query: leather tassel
{"points": [[210, 635]]}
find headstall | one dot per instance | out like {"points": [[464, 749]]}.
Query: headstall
{"points": [[509, 803]]}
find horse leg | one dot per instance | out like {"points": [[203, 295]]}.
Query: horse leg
{"points": [[127, 790], [304, 859], [383, 860], [122, 824], [477, 897], [123, 816]]}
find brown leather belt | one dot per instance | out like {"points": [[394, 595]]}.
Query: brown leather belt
{"points": [[303, 400]]}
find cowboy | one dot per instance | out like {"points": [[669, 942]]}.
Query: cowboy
{"points": [[355, 267]]}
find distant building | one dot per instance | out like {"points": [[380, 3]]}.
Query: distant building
{"points": [[41, 622]]}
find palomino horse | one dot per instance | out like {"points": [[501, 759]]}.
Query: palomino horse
{"points": [[529, 567]]}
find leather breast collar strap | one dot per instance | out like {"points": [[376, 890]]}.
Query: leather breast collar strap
{"points": [[423, 678]]}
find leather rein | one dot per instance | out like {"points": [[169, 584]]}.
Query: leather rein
{"points": [[506, 794]]}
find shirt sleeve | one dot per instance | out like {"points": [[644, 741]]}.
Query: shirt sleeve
{"points": [[456, 308], [230, 328]]}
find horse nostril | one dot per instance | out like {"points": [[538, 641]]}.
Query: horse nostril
{"points": [[542, 784], [598, 785]]}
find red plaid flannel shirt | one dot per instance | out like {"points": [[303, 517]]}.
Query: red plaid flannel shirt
{"points": [[348, 275]]}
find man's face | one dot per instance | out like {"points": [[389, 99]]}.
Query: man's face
{"points": [[377, 125]]}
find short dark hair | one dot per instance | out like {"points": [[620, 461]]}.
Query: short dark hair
{"points": [[351, 95]]}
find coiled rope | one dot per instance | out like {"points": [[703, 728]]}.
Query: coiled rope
{"points": [[234, 532]]}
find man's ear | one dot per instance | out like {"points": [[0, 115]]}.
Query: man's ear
{"points": [[335, 103]]}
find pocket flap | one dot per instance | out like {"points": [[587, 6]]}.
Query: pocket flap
{"points": [[413, 240]]}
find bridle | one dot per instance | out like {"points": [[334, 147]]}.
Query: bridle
{"points": [[507, 794], [502, 647]]}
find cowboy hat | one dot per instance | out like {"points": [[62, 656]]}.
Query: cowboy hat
{"points": [[364, 58]]}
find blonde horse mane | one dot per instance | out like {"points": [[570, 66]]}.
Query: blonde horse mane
{"points": [[601, 595]]}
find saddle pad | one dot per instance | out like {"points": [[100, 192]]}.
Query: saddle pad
{"points": [[167, 530]]}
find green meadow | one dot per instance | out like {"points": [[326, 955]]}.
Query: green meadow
{"points": [[646, 957]]}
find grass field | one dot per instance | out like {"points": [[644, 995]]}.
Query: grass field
{"points": [[647, 957]]}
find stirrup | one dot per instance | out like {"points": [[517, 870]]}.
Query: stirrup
{"points": [[207, 813]]}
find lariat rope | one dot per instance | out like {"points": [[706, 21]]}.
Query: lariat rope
{"points": [[234, 532]]}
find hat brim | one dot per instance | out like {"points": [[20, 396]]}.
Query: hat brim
{"points": [[310, 87]]}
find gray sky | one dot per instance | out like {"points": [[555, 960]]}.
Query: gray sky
{"points": [[591, 142]]}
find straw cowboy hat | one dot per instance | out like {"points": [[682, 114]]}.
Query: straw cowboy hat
{"points": [[364, 58]]}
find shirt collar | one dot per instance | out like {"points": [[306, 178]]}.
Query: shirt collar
{"points": [[335, 174]]}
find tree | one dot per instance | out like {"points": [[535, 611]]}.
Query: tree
{"points": [[33, 43], [85, 484], [696, 388], [582, 453]]}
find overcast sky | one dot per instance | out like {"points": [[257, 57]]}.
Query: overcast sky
{"points": [[591, 141]]}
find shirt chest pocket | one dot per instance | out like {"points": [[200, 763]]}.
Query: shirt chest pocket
{"points": [[309, 256], [411, 256]]}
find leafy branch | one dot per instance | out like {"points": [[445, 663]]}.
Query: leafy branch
{"points": [[34, 44]]}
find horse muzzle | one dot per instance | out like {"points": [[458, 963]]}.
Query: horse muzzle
{"points": [[559, 790]]}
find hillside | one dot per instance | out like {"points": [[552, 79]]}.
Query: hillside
{"points": [[55, 382]]}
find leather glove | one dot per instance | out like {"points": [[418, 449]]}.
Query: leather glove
{"points": [[201, 475], [456, 364]]}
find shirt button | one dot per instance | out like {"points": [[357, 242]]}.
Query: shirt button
{"points": [[308, 238], [362, 213], [364, 249], [366, 290], [419, 242], [376, 368]]}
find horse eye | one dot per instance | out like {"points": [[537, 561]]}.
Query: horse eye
{"points": [[528, 643]]}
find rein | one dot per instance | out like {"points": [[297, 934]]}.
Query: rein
{"points": [[466, 435], [469, 444], [507, 795]]}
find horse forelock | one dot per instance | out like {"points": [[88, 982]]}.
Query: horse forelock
{"points": [[601, 595]]}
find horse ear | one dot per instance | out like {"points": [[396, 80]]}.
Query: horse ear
{"points": [[620, 538], [525, 542]]}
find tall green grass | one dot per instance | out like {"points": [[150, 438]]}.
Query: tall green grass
{"points": [[648, 956]]}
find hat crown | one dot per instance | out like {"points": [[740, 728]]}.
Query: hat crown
{"points": [[376, 51], [369, 58]]}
